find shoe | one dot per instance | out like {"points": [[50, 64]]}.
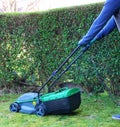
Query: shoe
{"points": [[116, 117]]}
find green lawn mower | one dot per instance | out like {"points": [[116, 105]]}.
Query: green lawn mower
{"points": [[62, 101]]}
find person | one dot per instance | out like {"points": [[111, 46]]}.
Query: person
{"points": [[105, 23], [108, 19]]}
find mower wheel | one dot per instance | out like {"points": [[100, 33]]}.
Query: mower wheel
{"points": [[40, 111], [14, 107]]}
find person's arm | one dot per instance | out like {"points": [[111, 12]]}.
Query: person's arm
{"points": [[109, 27], [108, 10]]}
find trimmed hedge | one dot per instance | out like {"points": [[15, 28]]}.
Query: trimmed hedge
{"points": [[33, 45]]}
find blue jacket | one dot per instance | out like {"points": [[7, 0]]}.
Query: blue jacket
{"points": [[108, 19]]}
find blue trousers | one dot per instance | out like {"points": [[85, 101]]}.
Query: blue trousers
{"points": [[104, 23]]}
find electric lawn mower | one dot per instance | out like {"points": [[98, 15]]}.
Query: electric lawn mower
{"points": [[62, 101]]}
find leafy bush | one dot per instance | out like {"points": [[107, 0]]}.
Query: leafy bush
{"points": [[34, 44]]}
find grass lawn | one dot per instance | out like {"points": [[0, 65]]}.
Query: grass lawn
{"points": [[94, 111]]}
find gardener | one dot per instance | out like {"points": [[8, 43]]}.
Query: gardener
{"points": [[108, 19]]}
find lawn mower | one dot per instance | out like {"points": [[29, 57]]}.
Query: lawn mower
{"points": [[62, 101]]}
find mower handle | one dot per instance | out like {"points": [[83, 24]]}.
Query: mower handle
{"points": [[84, 49], [60, 67]]}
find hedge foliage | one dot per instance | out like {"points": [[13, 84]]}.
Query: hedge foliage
{"points": [[33, 45]]}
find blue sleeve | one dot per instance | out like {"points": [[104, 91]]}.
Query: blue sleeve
{"points": [[109, 9], [109, 27]]}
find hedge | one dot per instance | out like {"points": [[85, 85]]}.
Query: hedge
{"points": [[33, 45]]}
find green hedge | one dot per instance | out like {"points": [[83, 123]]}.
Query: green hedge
{"points": [[33, 45]]}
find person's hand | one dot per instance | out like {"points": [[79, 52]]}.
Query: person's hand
{"points": [[82, 43]]}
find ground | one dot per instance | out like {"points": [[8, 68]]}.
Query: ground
{"points": [[94, 111]]}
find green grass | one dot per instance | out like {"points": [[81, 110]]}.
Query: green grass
{"points": [[94, 111]]}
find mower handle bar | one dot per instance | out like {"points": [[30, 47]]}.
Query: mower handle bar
{"points": [[67, 68], [60, 67]]}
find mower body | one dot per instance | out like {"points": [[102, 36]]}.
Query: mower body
{"points": [[62, 101]]}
